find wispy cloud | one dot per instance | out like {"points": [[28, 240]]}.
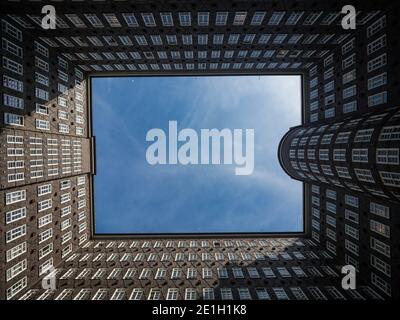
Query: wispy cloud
{"points": [[132, 196]]}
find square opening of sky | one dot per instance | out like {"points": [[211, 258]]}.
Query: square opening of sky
{"points": [[134, 196]]}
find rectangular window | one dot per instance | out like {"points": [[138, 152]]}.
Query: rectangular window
{"points": [[15, 196], [185, 19], [17, 287], [13, 102], [380, 228], [42, 124], [380, 247], [16, 251], [376, 44], [221, 18], [364, 175], [12, 66], [377, 81], [44, 205], [11, 30], [15, 215], [377, 63], [379, 210], [12, 48], [351, 201], [339, 154], [15, 233], [360, 155], [363, 135], [390, 178], [349, 76], [376, 26], [13, 84]]}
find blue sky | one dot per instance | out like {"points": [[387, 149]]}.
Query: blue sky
{"points": [[132, 196]]}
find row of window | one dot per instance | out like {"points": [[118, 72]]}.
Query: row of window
{"points": [[242, 293], [383, 155]]}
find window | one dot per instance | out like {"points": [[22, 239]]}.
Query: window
{"points": [[15, 233], [42, 124], [15, 196], [328, 73], [351, 201], [184, 19], [262, 294], [239, 18], [41, 94], [148, 19], [15, 215], [364, 175], [12, 48], [244, 294], [324, 154], [226, 294], [376, 26], [166, 19], [12, 101], [221, 18], [276, 17], [190, 294], [203, 18], [12, 66], [377, 99], [13, 84], [130, 19], [16, 251], [44, 205], [280, 293], [380, 247], [349, 92], [13, 177], [222, 273], [379, 210], [331, 207], [380, 265], [257, 18], [349, 61], [390, 133], [390, 178], [377, 81], [294, 18], [11, 30], [349, 76], [376, 45], [363, 135], [17, 287], [387, 155], [339, 154]]}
